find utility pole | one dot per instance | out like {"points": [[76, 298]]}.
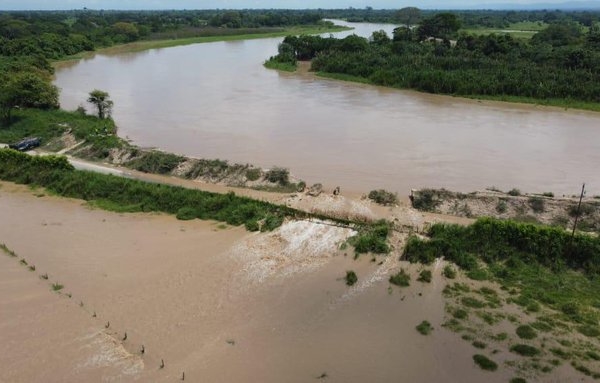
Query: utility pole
{"points": [[578, 209]]}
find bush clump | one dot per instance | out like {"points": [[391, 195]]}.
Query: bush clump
{"points": [[514, 192], [351, 278], [525, 350], [155, 162], [485, 363], [253, 174], [460, 314], [426, 199], [279, 176], [449, 272], [425, 276], [372, 238], [537, 204], [424, 328], [401, 278], [383, 197], [526, 332], [501, 207]]}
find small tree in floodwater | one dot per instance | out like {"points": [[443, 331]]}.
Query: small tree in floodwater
{"points": [[101, 101]]}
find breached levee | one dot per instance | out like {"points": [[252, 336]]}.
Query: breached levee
{"points": [[296, 246]]}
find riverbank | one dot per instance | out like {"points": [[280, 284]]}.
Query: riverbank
{"points": [[564, 104], [139, 46]]}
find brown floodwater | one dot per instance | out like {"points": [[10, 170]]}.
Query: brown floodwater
{"points": [[216, 100], [218, 303]]}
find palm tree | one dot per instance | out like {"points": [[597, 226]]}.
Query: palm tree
{"points": [[101, 100]]}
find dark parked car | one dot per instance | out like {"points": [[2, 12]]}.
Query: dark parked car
{"points": [[26, 144]]}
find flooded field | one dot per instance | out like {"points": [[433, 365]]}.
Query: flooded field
{"points": [[213, 302]]}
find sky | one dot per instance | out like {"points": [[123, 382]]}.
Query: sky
{"points": [[302, 4]]}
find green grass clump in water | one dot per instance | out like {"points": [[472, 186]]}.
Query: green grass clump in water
{"points": [[424, 328], [485, 363], [401, 278], [351, 278], [425, 276]]}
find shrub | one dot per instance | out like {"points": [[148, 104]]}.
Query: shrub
{"points": [[592, 355], [424, 276], [514, 192], [424, 328], [524, 350], [372, 238], [57, 286], [518, 380], [449, 272], [485, 363], [351, 278], [155, 162], [501, 207], [253, 174], [402, 278], [537, 204], [472, 302], [383, 197], [460, 314], [279, 176], [584, 209], [526, 332], [548, 194], [426, 199], [589, 331], [479, 344]]}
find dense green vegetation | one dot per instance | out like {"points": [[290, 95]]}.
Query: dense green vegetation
{"points": [[57, 34], [492, 240], [559, 65], [115, 193], [372, 238]]}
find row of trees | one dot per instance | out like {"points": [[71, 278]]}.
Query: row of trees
{"points": [[470, 18], [563, 61], [60, 33]]}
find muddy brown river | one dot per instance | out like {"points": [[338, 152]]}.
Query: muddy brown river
{"points": [[216, 100]]}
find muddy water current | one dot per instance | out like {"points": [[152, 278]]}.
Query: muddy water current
{"points": [[216, 100]]}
